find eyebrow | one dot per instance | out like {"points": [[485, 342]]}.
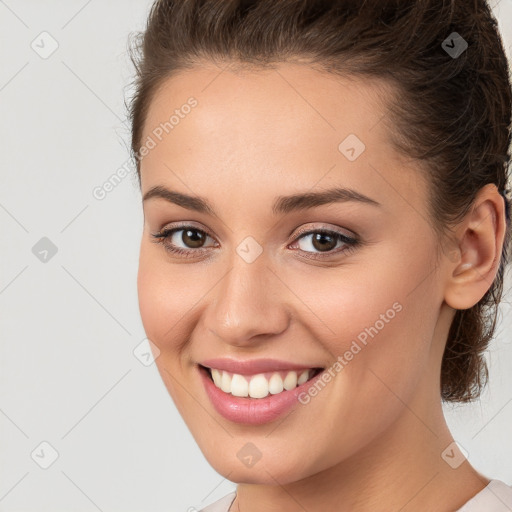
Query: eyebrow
{"points": [[282, 205]]}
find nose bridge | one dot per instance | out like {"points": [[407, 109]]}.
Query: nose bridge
{"points": [[246, 301]]}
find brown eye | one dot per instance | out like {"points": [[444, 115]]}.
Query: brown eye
{"points": [[189, 243], [193, 238], [324, 242]]}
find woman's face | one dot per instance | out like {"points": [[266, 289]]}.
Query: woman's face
{"points": [[269, 271]]}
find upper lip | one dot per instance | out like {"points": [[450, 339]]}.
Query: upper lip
{"points": [[253, 366]]}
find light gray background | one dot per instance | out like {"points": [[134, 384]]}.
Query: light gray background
{"points": [[69, 326]]}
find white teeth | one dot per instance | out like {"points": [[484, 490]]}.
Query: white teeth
{"points": [[290, 381], [275, 384], [225, 383], [258, 386], [217, 377], [239, 386], [303, 377]]}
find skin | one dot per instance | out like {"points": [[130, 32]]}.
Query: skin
{"points": [[372, 439]]}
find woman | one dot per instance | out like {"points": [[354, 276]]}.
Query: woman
{"points": [[326, 229]]}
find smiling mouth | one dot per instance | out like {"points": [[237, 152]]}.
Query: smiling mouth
{"points": [[259, 385]]}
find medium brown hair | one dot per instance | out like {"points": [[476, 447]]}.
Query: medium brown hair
{"points": [[451, 112]]}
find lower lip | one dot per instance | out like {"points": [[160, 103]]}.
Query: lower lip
{"points": [[252, 411]]}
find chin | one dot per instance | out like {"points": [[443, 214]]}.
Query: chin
{"points": [[233, 462]]}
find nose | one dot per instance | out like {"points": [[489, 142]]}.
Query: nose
{"points": [[248, 302]]}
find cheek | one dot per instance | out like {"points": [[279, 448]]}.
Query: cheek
{"points": [[370, 307], [166, 297], [382, 333], [378, 321], [166, 302]]}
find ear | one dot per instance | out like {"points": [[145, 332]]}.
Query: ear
{"points": [[474, 264]]}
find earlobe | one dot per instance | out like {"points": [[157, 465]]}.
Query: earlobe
{"points": [[480, 243]]}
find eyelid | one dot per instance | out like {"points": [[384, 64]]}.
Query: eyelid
{"points": [[307, 229], [187, 224]]}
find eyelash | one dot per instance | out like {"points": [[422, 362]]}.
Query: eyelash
{"points": [[162, 236]]}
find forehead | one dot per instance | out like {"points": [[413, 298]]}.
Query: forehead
{"points": [[293, 124], [291, 97]]}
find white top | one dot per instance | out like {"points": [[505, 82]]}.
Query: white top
{"points": [[495, 497], [221, 505]]}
